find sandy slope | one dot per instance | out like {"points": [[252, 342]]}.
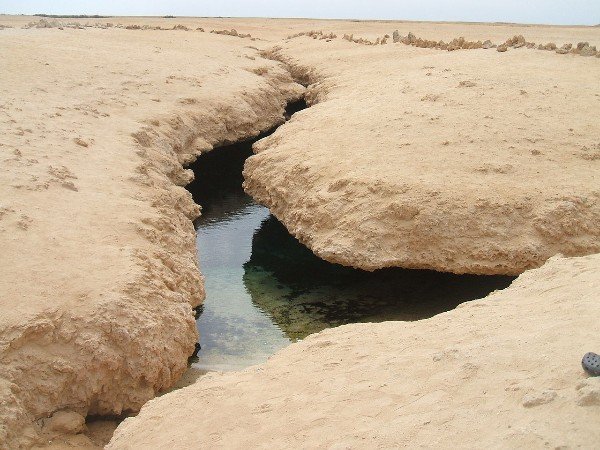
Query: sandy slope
{"points": [[98, 262], [501, 372], [468, 161]]}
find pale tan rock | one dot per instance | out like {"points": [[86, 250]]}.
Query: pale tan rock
{"points": [[460, 377], [566, 48], [98, 271], [410, 39], [588, 51], [516, 41], [342, 192], [99, 266], [588, 392], [64, 422], [534, 399]]}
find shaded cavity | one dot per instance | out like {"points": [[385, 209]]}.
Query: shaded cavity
{"points": [[304, 294], [264, 289], [295, 107]]}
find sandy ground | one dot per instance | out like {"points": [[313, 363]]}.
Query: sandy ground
{"points": [[98, 266], [99, 271], [277, 29], [469, 161], [501, 372]]}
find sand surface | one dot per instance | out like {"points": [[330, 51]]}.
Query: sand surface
{"points": [[501, 372], [470, 161], [395, 164], [99, 271]]}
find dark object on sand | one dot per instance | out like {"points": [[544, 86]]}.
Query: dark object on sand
{"points": [[591, 364]]}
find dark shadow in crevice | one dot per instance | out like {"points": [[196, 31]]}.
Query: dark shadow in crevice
{"points": [[217, 184], [304, 294], [218, 180], [295, 107]]}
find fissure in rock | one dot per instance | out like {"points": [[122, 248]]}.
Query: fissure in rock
{"points": [[264, 289]]}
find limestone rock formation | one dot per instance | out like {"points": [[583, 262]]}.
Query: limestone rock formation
{"points": [[516, 41], [487, 44], [503, 371], [64, 422], [379, 191], [99, 263], [396, 164], [588, 50], [566, 48]]}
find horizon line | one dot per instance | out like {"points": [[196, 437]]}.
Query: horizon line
{"points": [[169, 16]]}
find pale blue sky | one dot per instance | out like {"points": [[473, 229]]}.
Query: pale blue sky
{"points": [[584, 12]]}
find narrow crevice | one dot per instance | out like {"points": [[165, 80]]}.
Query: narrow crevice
{"points": [[265, 289], [217, 184], [218, 173], [304, 76], [295, 107]]}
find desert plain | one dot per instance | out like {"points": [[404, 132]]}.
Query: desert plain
{"points": [[455, 147]]}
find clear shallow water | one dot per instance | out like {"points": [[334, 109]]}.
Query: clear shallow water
{"points": [[235, 333], [264, 289]]}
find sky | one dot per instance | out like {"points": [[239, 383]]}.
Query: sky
{"points": [[566, 12]]}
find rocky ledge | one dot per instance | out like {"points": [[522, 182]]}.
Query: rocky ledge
{"points": [[455, 161]]}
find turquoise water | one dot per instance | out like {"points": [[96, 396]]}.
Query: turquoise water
{"points": [[264, 289]]}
